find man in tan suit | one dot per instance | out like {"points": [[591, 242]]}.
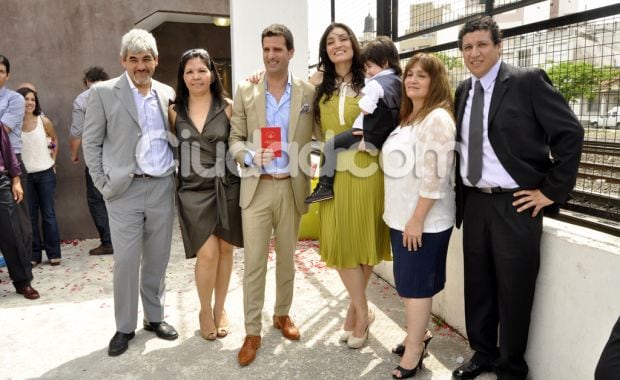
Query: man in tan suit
{"points": [[274, 184]]}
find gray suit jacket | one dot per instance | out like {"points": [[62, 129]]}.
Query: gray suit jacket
{"points": [[112, 130]]}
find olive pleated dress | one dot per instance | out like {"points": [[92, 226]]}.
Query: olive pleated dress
{"points": [[352, 231]]}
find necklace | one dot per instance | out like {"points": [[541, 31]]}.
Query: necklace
{"points": [[344, 79]]}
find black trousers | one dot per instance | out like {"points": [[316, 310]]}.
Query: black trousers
{"points": [[608, 367], [98, 211], [501, 250], [23, 211], [15, 252], [342, 141]]}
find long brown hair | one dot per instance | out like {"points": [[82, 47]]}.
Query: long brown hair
{"points": [[328, 85], [439, 93]]}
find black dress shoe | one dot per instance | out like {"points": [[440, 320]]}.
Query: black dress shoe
{"points": [[321, 192], [471, 370], [162, 329], [120, 343]]}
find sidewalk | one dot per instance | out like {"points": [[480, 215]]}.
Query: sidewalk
{"points": [[65, 334]]}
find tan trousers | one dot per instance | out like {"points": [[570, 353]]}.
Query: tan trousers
{"points": [[272, 209]]}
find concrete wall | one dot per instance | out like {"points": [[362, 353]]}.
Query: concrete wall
{"points": [[576, 302], [51, 42], [174, 38], [247, 27]]}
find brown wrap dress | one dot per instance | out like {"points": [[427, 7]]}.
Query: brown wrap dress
{"points": [[208, 182]]}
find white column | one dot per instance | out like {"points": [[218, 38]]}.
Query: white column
{"points": [[250, 17]]}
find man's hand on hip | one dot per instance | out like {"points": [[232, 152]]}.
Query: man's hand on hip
{"points": [[531, 198]]}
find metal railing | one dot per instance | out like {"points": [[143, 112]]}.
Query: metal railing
{"points": [[579, 51]]}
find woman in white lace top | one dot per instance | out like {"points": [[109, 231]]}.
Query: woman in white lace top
{"points": [[418, 162]]}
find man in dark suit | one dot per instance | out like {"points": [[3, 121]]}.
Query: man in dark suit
{"points": [[519, 148]]}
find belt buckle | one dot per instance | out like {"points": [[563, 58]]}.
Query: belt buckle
{"points": [[486, 190]]}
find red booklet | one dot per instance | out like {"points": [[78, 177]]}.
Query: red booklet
{"points": [[271, 138]]}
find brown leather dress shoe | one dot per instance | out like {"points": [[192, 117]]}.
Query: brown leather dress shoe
{"points": [[247, 354], [101, 250], [28, 292], [284, 323]]}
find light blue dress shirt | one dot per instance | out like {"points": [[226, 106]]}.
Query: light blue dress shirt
{"points": [[277, 115], [79, 114], [153, 153], [12, 109]]}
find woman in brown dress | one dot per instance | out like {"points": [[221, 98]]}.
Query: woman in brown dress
{"points": [[208, 185]]}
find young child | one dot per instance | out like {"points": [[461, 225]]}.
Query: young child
{"points": [[379, 105]]}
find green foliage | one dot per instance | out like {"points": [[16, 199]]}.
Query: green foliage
{"points": [[580, 80], [448, 61]]}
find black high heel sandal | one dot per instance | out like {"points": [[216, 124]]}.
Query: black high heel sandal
{"points": [[408, 373], [399, 349]]}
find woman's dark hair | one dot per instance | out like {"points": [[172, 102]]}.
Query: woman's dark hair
{"points": [[380, 51], [5, 61], [328, 85], [37, 106], [217, 90], [439, 92]]}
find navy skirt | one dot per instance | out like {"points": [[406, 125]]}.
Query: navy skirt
{"points": [[421, 273]]}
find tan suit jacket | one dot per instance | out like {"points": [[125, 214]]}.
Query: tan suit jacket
{"points": [[249, 115]]}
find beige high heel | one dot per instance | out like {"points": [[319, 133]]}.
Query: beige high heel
{"points": [[355, 342], [223, 329], [345, 334], [206, 334]]}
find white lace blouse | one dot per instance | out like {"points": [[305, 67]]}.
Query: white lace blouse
{"points": [[418, 161]]}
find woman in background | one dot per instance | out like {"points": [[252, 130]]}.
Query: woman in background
{"points": [[39, 151]]}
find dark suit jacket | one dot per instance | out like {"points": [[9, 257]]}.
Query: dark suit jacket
{"points": [[379, 124], [533, 132]]}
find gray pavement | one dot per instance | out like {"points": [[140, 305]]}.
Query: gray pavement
{"points": [[64, 334]]}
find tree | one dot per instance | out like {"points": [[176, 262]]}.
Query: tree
{"points": [[448, 61], [580, 80]]}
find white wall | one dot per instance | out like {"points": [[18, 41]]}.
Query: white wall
{"points": [[577, 299], [250, 17]]}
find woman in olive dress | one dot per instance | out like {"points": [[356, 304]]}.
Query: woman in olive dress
{"points": [[352, 235], [208, 185]]}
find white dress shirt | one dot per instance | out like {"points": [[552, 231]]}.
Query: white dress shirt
{"points": [[493, 173], [418, 161]]}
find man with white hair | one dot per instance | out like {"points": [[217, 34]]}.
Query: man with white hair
{"points": [[126, 149]]}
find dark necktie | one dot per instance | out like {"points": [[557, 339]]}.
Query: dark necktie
{"points": [[474, 148]]}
